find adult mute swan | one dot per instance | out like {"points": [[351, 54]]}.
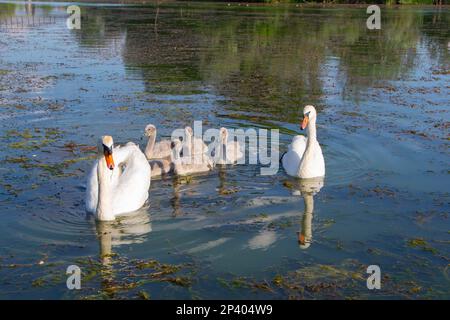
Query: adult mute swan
{"points": [[118, 181], [156, 150], [229, 151], [188, 164], [304, 157]]}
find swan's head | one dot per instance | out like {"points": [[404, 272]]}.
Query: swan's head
{"points": [[224, 134], [150, 130], [188, 130], [105, 149], [309, 114], [303, 243], [188, 133]]}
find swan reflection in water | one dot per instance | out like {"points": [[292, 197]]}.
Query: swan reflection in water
{"points": [[126, 229], [307, 188]]}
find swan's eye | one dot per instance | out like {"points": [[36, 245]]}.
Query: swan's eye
{"points": [[307, 114]]}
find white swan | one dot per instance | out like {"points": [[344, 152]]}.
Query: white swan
{"points": [[229, 151], [304, 158], [156, 150], [187, 164], [118, 181]]}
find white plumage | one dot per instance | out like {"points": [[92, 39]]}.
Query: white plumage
{"points": [[304, 158], [120, 190]]}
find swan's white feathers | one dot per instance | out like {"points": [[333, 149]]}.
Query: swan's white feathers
{"points": [[298, 144], [291, 159], [304, 158], [130, 185]]}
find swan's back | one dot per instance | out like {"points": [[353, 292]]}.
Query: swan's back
{"points": [[131, 188], [184, 167], [298, 144], [162, 150]]}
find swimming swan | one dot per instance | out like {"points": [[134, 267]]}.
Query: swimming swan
{"points": [[196, 145], [304, 158], [156, 150], [118, 181], [188, 164], [229, 151]]}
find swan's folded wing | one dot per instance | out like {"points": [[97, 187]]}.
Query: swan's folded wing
{"points": [[298, 145], [131, 191], [162, 149], [291, 161], [319, 160], [92, 189], [121, 153]]}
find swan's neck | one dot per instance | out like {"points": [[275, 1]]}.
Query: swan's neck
{"points": [[188, 146], [175, 154], [309, 203], [105, 237], [312, 137], [105, 206], [310, 146], [223, 150], [150, 146]]}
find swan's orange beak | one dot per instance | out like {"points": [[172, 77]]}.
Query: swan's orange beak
{"points": [[108, 157], [109, 161], [305, 122], [301, 239]]}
